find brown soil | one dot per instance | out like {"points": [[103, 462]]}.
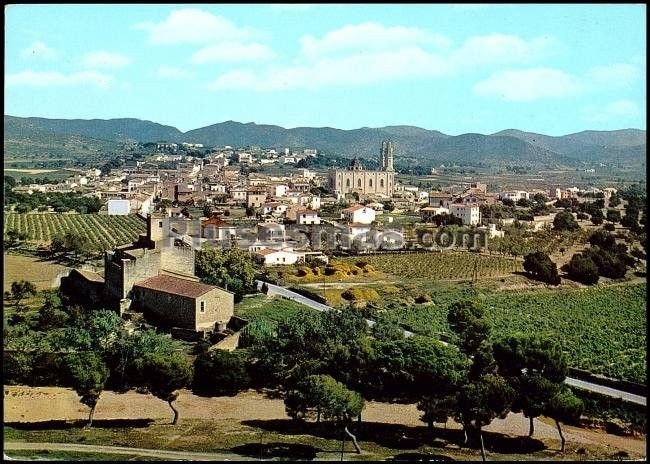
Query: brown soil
{"points": [[29, 404]]}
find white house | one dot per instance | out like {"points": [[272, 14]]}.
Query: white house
{"points": [[469, 214], [514, 195], [427, 213], [119, 207], [278, 190], [307, 216], [244, 157], [271, 257], [359, 214], [274, 208]]}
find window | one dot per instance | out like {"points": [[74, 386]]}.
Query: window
{"points": [[159, 223], [347, 183], [203, 306], [370, 182], [359, 183], [381, 183]]}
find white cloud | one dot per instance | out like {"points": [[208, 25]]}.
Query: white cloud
{"points": [[613, 75], [619, 109], [40, 50], [370, 36], [500, 49], [233, 51], [105, 60], [31, 78], [170, 72], [528, 84], [347, 71], [192, 25]]}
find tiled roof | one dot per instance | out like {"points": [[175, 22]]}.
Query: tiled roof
{"points": [[175, 286], [351, 209]]}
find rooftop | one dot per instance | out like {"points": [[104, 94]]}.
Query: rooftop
{"points": [[175, 286]]}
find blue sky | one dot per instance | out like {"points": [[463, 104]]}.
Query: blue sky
{"points": [[553, 69]]}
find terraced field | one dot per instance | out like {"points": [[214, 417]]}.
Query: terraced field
{"points": [[105, 232]]}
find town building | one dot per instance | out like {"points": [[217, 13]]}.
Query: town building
{"points": [[469, 214], [355, 179], [359, 214]]}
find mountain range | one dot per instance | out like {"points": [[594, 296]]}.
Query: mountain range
{"points": [[510, 146]]}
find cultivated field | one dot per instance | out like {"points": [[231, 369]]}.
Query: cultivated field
{"points": [[105, 232], [40, 273], [446, 265], [602, 329]]}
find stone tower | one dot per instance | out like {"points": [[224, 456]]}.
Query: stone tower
{"points": [[386, 156], [157, 228]]}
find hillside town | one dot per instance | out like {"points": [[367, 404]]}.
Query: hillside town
{"points": [[322, 232]]}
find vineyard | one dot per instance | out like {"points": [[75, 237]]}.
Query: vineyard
{"points": [[601, 329], [446, 265], [104, 232]]}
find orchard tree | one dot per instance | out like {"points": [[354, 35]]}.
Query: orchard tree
{"points": [[164, 375], [564, 407], [323, 395], [87, 374], [535, 367], [564, 220], [480, 402], [230, 268], [20, 290], [466, 320], [613, 215], [220, 373], [582, 269], [540, 266]]}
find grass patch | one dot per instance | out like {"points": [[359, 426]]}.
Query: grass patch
{"points": [[264, 308]]}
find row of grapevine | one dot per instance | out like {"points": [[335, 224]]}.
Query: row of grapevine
{"points": [[442, 265], [104, 232]]}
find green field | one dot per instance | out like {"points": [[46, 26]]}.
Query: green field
{"points": [[104, 232], [446, 265], [601, 329], [261, 307]]}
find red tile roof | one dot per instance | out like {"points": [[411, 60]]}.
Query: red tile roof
{"points": [[175, 286], [353, 208]]}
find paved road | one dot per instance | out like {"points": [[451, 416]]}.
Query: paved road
{"points": [[606, 391], [277, 290]]}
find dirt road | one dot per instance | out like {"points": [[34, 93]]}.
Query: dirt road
{"points": [[28, 404]]}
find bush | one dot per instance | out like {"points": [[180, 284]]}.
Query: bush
{"points": [[360, 294], [539, 264], [583, 269]]}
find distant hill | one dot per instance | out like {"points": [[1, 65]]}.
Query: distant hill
{"points": [[117, 130], [25, 140], [510, 146], [623, 145]]}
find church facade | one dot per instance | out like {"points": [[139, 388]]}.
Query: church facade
{"points": [[356, 179]]}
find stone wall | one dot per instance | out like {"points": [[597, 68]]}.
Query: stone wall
{"points": [[179, 260], [219, 308], [148, 265], [172, 310]]}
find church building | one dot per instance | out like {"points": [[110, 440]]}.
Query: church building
{"points": [[356, 179]]}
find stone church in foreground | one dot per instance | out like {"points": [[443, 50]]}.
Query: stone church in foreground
{"points": [[356, 179], [156, 276]]}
